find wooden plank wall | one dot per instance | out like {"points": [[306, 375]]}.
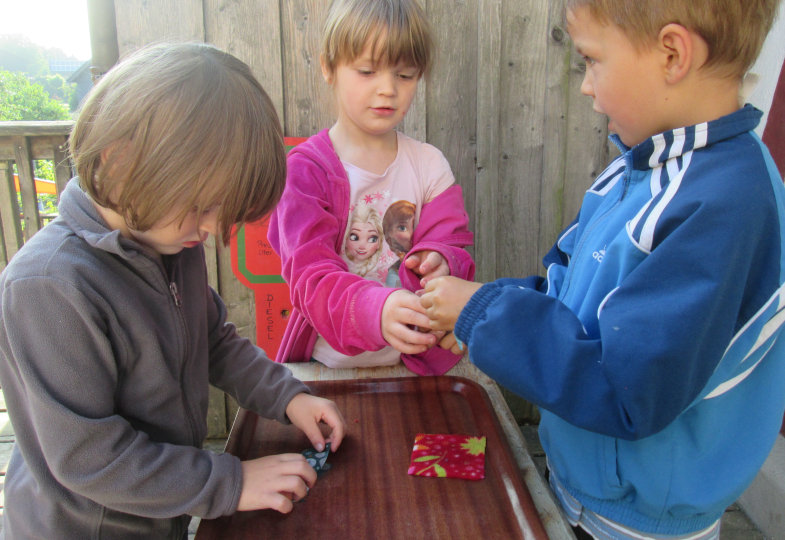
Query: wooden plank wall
{"points": [[502, 103]]}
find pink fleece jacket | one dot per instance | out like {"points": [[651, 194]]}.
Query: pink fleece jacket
{"points": [[307, 231]]}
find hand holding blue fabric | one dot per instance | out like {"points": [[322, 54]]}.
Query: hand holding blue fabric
{"points": [[307, 412]]}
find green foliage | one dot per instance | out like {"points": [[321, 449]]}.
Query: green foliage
{"points": [[18, 53], [21, 56], [56, 86], [45, 168], [21, 99], [47, 204]]}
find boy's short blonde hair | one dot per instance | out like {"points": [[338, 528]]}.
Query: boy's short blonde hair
{"points": [[733, 29], [180, 127], [398, 31]]}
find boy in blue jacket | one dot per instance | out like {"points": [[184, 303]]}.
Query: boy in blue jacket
{"points": [[653, 345]]}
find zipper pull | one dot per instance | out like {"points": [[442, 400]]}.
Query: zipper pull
{"points": [[175, 294]]}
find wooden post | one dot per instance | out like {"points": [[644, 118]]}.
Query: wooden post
{"points": [[9, 213], [103, 36], [62, 166], [24, 164], [12, 227]]}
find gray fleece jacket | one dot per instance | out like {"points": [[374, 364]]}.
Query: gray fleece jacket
{"points": [[106, 353]]}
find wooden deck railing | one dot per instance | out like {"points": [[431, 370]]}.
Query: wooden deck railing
{"points": [[20, 144]]}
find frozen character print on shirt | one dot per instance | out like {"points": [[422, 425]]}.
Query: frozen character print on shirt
{"points": [[363, 242], [398, 226]]}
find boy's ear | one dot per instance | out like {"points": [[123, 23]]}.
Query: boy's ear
{"points": [[683, 51], [327, 73]]}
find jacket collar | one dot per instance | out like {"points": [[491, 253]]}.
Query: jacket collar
{"points": [[80, 215], [672, 144], [319, 148]]}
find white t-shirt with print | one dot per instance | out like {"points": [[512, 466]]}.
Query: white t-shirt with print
{"points": [[384, 211]]}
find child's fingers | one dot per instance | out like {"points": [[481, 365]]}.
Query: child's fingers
{"points": [[410, 301], [439, 334], [433, 286], [294, 491], [419, 335], [281, 503], [296, 469], [426, 299], [441, 271], [448, 341], [401, 315], [314, 435], [307, 412], [406, 348], [297, 479], [271, 481], [301, 489], [451, 343], [335, 420], [408, 310], [416, 319], [409, 341], [412, 261], [434, 265], [440, 324], [415, 328]]}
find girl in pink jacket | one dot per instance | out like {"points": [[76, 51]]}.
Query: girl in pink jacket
{"points": [[369, 215]]}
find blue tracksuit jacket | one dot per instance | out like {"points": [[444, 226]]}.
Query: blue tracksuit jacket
{"points": [[653, 346]]}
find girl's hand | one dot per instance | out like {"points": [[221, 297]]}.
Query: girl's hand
{"points": [[275, 482], [307, 412], [444, 299], [427, 265], [402, 315]]}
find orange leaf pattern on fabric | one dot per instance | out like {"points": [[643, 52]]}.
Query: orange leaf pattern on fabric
{"points": [[448, 456]]}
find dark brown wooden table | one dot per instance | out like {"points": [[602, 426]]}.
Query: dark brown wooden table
{"points": [[367, 493]]}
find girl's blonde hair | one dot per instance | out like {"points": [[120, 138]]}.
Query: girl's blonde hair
{"points": [[733, 29], [180, 127], [397, 30]]}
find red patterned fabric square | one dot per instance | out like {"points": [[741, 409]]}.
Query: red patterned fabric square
{"points": [[448, 456]]}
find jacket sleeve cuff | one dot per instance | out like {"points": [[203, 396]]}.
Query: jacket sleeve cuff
{"points": [[366, 314], [475, 310]]}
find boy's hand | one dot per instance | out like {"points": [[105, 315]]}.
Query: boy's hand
{"points": [[402, 314], [450, 342], [275, 482], [307, 412], [444, 299], [427, 265]]}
